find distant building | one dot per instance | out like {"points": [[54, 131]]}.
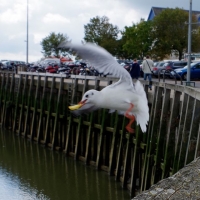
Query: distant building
{"points": [[157, 10]]}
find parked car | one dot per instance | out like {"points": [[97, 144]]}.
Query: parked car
{"points": [[2, 61], [155, 64], [9, 65], [128, 65], [168, 66], [47, 61], [139, 62], [158, 68], [194, 71]]}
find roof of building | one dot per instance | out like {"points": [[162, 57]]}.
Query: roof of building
{"points": [[157, 10]]}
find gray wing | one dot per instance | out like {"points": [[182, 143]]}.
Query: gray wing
{"points": [[101, 60]]}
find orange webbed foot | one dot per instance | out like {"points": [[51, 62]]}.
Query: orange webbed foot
{"points": [[131, 118], [130, 130]]}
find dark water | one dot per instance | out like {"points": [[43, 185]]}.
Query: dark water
{"points": [[29, 171]]}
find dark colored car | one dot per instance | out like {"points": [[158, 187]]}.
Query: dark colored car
{"points": [[194, 71], [168, 66], [9, 65], [158, 68], [139, 62], [128, 65]]}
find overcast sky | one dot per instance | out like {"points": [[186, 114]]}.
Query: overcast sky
{"points": [[67, 17]]}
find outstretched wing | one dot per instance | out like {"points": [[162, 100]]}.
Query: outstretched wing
{"points": [[101, 59]]}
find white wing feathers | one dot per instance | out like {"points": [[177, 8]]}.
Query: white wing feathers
{"points": [[104, 62], [100, 59], [139, 89]]}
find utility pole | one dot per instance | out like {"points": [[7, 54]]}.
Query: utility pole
{"points": [[27, 36], [189, 41]]}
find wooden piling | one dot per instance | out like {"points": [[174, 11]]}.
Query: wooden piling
{"points": [[35, 106]]}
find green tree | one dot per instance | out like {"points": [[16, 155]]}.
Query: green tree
{"points": [[138, 39], [50, 44], [103, 33], [120, 52], [170, 32], [195, 38]]}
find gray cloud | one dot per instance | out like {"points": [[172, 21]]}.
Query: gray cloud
{"points": [[67, 17]]}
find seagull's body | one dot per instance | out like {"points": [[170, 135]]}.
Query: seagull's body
{"points": [[124, 96], [118, 98]]}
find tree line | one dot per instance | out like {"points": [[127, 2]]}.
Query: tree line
{"points": [[166, 34]]}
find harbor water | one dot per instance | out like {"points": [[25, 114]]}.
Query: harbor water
{"points": [[29, 171]]}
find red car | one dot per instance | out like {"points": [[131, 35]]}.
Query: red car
{"points": [[52, 68]]}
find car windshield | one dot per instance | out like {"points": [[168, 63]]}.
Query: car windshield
{"points": [[192, 64], [160, 64], [166, 64], [155, 63], [51, 61]]}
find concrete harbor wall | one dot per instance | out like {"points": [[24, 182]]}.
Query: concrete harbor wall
{"points": [[185, 184], [35, 106]]}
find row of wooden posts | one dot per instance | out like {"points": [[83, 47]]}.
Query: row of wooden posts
{"points": [[35, 106]]}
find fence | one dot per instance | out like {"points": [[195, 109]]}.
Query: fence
{"points": [[35, 106]]}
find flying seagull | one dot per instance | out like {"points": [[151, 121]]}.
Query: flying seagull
{"points": [[126, 97]]}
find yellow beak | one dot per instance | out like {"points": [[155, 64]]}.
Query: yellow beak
{"points": [[75, 107], [79, 105]]}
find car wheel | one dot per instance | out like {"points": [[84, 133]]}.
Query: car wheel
{"points": [[74, 71], [184, 76]]}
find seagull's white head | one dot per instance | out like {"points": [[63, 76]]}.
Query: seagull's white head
{"points": [[90, 97], [88, 102]]}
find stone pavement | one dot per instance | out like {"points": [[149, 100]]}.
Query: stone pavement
{"points": [[185, 184]]}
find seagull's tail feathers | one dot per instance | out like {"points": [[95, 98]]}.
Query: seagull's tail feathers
{"points": [[139, 89], [142, 116], [142, 119]]}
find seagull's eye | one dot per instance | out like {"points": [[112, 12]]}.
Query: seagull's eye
{"points": [[86, 96]]}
